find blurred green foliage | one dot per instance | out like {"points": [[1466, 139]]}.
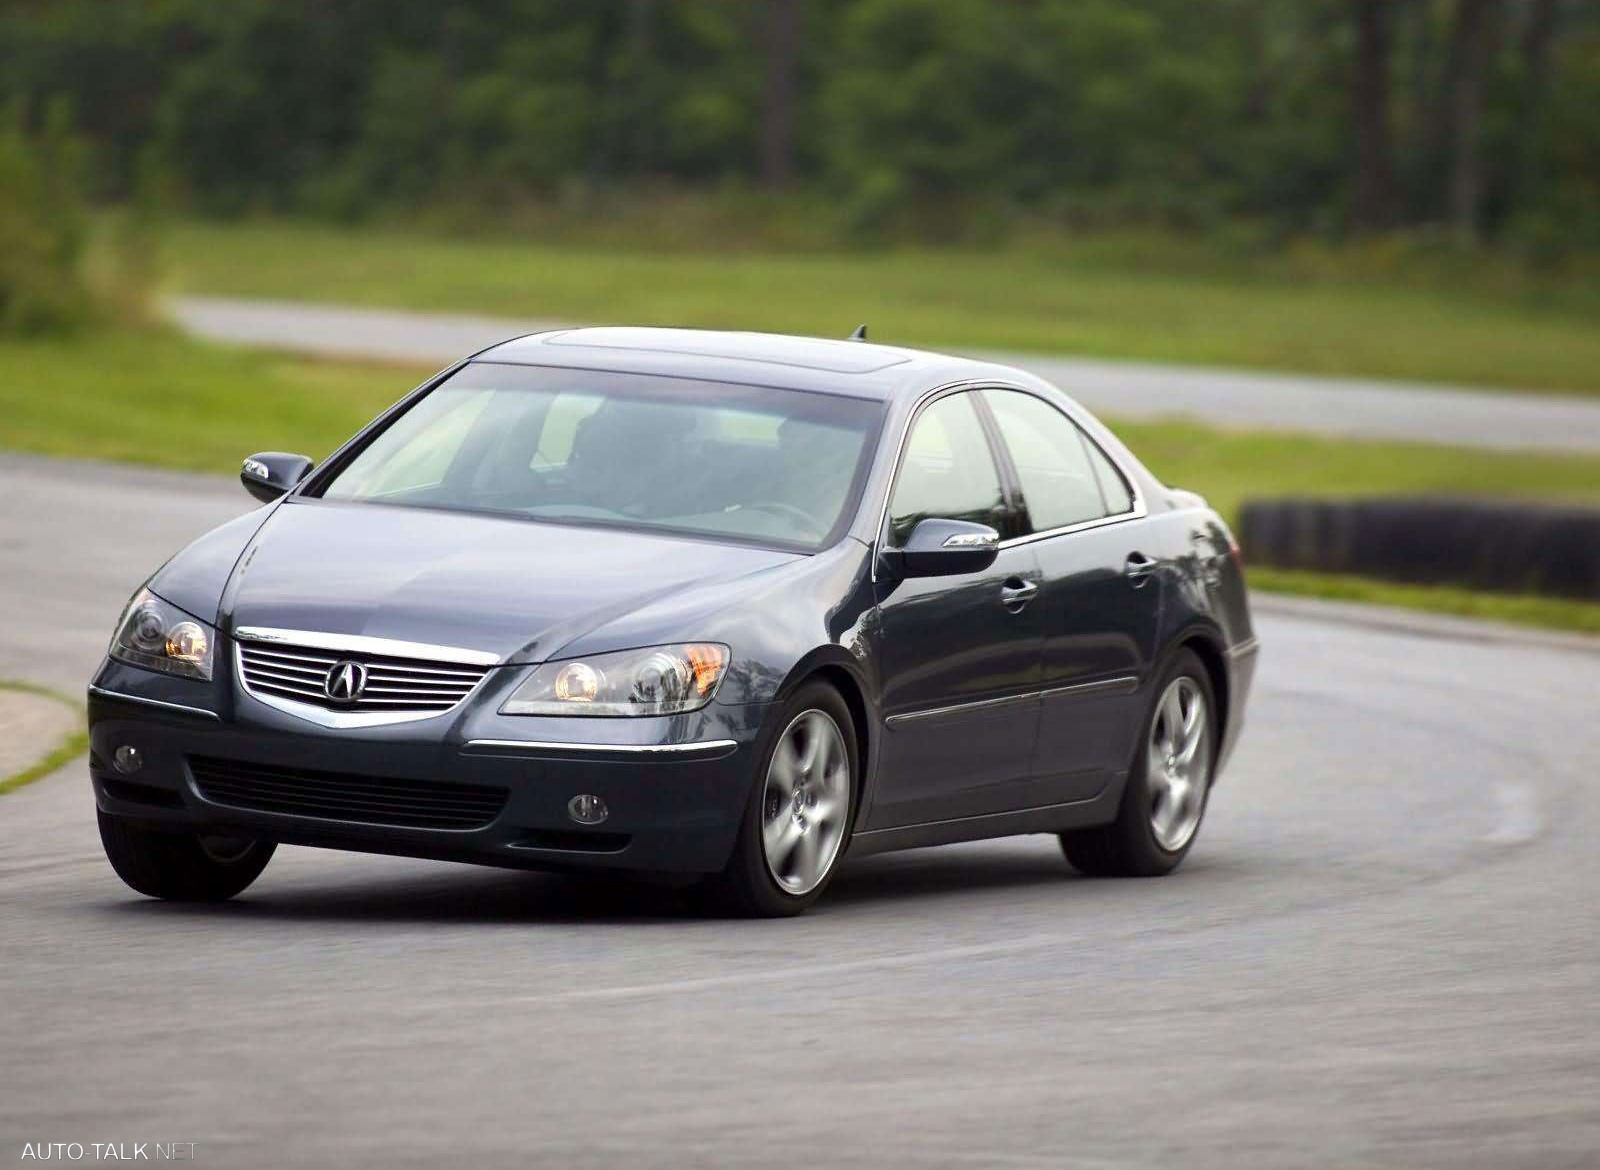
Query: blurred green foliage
{"points": [[43, 226], [57, 271], [931, 118]]}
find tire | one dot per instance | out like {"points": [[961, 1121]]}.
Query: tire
{"points": [[1165, 798], [768, 875], [182, 867]]}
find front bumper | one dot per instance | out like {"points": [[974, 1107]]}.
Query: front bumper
{"points": [[676, 789]]}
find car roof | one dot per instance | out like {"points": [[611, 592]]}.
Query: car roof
{"points": [[857, 369]]}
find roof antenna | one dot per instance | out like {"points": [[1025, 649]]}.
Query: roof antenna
{"points": [[860, 334]]}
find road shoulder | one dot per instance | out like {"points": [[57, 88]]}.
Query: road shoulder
{"points": [[39, 732], [1368, 615]]}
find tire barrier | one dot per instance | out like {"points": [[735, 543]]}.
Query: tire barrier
{"points": [[1506, 546]]}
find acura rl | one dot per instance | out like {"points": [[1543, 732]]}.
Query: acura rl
{"points": [[716, 604]]}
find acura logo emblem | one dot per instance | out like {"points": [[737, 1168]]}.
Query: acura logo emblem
{"points": [[345, 682]]}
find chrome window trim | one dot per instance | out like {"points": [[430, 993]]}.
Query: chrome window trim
{"points": [[704, 747], [123, 696], [1138, 511], [922, 403], [1123, 684], [362, 644], [1140, 507]]}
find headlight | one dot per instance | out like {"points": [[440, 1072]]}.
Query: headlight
{"points": [[658, 680], [162, 637]]}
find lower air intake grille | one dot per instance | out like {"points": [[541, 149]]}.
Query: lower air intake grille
{"points": [[340, 796]]}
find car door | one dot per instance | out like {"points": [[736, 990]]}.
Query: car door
{"points": [[959, 656], [1100, 594]]}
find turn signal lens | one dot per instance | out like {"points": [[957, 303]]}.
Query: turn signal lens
{"points": [[707, 660]]}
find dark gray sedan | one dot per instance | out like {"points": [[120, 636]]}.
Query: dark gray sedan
{"points": [[702, 603]]}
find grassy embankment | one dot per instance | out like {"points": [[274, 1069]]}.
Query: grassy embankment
{"points": [[1382, 312], [156, 398]]}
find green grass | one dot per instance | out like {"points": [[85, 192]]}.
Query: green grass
{"points": [[157, 398], [70, 747], [1228, 467], [1454, 321], [1519, 609]]}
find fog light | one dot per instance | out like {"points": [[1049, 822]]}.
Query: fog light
{"points": [[587, 809], [127, 759]]}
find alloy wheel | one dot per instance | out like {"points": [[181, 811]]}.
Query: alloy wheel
{"points": [[1178, 766], [806, 802]]}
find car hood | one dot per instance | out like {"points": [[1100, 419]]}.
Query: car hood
{"points": [[516, 588]]}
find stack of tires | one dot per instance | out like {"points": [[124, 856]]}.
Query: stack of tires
{"points": [[1480, 544]]}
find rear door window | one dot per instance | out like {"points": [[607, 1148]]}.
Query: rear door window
{"points": [[1065, 479]]}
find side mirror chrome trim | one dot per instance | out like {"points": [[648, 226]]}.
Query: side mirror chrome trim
{"points": [[268, 475]]}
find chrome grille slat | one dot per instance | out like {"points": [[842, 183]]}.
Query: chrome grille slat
{"points": [[313, 690], [418, 692], [321, 657], [308, 676], [316, 695], [395, 685], [374, 684], [407, 704], [378, 668], [290, 667]]}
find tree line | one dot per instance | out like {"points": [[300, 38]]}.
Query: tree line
{"points": [[1476, 117]]}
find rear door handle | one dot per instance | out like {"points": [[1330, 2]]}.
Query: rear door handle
{"points": [[1016, 593], [1138, 566]]}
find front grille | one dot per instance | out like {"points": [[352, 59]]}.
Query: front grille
{"points": [[341, 796], [396, 685]]}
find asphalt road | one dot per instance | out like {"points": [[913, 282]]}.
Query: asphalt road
{"points": [[1381, 953], [1127, 390]]}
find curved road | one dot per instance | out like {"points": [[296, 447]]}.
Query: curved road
{"points": [[1299, 403], [1382, 951]]}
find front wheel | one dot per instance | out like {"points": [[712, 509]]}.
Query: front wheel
{"points": [[798, 818], [182, 867], [1168, 784]]}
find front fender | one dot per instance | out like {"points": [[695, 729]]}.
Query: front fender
{"points": [[196, 577]]}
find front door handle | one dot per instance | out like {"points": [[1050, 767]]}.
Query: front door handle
{"points": [[1138, 567], [1016, 593]]}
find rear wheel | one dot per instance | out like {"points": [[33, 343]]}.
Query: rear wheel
{"points": [[798, 818], [1168, 785], [183, 867]]}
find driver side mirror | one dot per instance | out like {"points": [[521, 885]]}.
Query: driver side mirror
{"points": [[271, 473], [944, 548]]}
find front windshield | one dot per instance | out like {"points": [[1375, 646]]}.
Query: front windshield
{"points": [[581, 446]]}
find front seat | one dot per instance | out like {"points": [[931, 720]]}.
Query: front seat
{"points": [[633, 454]]}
